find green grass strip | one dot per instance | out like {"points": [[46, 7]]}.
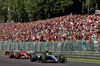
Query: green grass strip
{"points": [[3, 55], [83, 60]]}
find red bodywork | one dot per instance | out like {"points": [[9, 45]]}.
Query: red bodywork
{"points": [[23, 53], [7, 53]]}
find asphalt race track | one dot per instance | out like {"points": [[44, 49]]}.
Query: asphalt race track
{"points": [[5, 61]]}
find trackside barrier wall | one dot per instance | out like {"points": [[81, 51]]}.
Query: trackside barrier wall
{"points": [[79, 54]]}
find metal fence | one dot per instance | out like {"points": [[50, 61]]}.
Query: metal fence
{"points": [[79, 45]]}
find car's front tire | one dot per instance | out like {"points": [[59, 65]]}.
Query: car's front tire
{"points": [[62, 59], [33, 57]]}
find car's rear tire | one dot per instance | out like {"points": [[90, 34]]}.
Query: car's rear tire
{"points": [[62, 59], [18, 55], [11, 55], [33, 57], [43, 58]]}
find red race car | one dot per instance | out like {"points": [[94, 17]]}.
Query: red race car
{"points": [[18, 54]]}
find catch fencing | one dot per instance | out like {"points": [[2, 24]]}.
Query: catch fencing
{"points": [[52, 46], [72, 49]]}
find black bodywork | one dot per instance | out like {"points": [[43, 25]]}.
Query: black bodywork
{"points": [[47, 57]]}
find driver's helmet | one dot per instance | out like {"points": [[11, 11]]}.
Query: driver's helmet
{"points": [[20, 49], [47, 53]]}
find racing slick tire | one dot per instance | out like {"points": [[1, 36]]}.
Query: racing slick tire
{"points": [[11, 55], [62, 59], [18, 55], [43, 58], [33, 57]]}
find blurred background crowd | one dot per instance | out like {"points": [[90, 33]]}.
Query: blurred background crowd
{"points": [[67, 28]]}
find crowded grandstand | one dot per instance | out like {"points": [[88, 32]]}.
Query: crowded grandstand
{"points": [[67, 28]]}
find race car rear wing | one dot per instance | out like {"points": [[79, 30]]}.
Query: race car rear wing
{"points": [[8, 52]]}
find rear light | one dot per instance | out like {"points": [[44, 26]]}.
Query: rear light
{"points": [[7, 53]]}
